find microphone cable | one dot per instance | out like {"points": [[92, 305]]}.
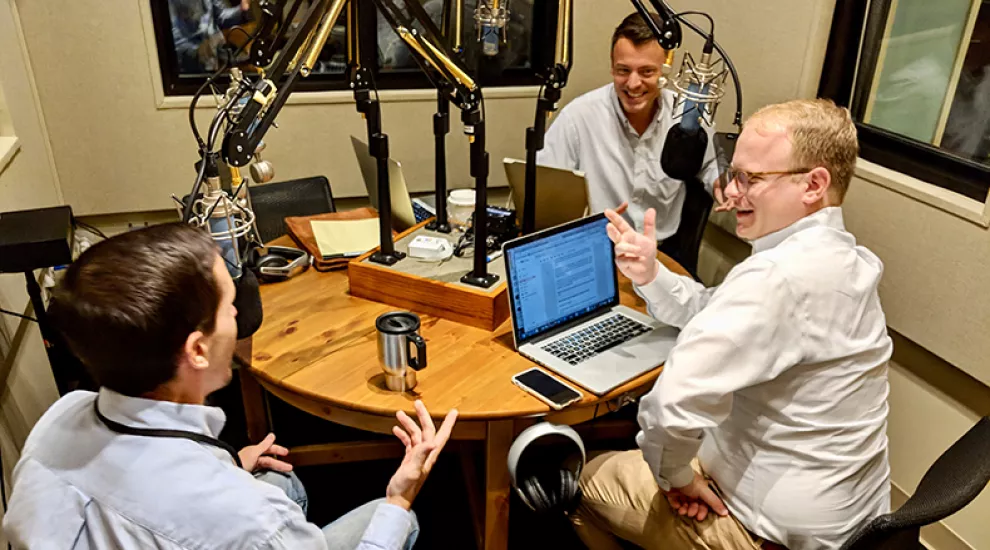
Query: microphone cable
{"points": [[13, 314], [206, 148]]}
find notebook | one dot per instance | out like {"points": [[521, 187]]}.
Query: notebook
{"points": [[343, 238]]}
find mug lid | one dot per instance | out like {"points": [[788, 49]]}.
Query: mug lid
{"points": [[397, 322], [462, 197]]}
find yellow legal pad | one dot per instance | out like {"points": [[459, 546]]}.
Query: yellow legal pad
{"points": [[344, 238]]}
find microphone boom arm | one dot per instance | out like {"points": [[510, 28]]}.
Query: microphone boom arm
{"points": [[440, 64], [265, 100]]}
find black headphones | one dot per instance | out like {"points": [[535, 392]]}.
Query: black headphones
{"points": [[545, 463], [277, 263], [560, 495]]}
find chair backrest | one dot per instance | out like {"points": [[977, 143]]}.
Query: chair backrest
{"points": [[273, 202], [952, 482], [684, 244]]}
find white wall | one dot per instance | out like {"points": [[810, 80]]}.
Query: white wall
{"points": [[26, 385], [934, 293], [932, 404]]}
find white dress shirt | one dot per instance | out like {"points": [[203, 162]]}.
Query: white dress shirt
{"points": [[79, 486], [593, 135], [778, 383]]}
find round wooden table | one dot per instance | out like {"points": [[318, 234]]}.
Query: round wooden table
{"points": [[317, 350]]}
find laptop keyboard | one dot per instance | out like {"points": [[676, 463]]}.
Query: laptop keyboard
{"points": [[594, 339], [422, 213]]}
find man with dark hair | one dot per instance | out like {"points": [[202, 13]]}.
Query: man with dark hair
{"points": [[150, 314], [615, 134]]}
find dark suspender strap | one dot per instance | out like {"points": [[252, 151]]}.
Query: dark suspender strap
{"points": [[177, 434]]}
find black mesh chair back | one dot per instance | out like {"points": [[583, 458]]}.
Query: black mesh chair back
{"points": [[952, 482], [684, 244], [273, 202]]}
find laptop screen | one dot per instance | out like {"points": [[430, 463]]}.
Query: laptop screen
{"points": [[559, 275]]}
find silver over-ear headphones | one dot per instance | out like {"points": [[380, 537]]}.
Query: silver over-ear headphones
{"points": [[277, 263], [545, 463]]}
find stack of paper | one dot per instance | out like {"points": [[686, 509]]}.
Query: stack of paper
{"points": [[345, 238]]}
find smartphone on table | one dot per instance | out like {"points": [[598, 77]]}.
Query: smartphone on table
{"points": [[546, 388]]}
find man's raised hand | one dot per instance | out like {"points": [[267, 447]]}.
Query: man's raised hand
{"points": [[635, 253]]}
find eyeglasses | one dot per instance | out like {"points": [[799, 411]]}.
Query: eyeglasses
{"points": [[744, 180]]}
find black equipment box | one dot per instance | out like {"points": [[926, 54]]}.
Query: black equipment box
{"points": [[34, 239]]}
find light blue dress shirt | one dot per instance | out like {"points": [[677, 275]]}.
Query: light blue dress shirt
{"points": [[79, 485]]}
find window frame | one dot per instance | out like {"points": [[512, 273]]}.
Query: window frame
{"points": [[848, 77], [175, 84]]}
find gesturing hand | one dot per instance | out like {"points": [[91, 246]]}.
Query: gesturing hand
{"points": [[423, 445], [255, 457], [695, 499], [635, 253]]}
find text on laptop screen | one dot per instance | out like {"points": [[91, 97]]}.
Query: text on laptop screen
{"points": [[561, 277]]}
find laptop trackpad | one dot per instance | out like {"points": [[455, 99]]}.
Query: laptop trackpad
{"points": [[652, 347]]}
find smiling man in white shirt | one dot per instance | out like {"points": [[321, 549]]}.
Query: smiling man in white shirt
{"points": [[615, 135], [778, 381]]}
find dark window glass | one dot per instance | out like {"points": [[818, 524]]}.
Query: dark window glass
{"points": [[195, 37], [920, 91]]}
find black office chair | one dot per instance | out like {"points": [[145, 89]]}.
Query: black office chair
{"points": [[273, 202], [952, 482], [684, 244]]}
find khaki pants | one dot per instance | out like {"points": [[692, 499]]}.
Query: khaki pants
{"points": [[621, 500]]}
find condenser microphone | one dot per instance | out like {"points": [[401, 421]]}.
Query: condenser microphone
{"points": [[490, 20], [218, 222], [699, 89]]}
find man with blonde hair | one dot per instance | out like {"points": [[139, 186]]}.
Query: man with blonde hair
{"points": [[767, 428]]}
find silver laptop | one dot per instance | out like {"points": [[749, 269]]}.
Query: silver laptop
{"points": [[561, 195], [406, 212], [564, 304]]}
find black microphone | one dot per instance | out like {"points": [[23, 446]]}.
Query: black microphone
{"points": [[684, 151], [699, 88], [248, 304]]}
